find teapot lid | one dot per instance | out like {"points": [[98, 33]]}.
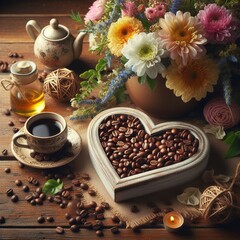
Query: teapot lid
{"points": [[55, 31]]}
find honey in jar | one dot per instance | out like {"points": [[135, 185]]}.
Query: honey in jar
{"points": [[26, 91]]}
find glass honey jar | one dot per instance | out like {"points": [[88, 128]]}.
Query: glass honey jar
{"points": [[26, 91]]}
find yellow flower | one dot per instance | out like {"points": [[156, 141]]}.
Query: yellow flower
{"points": [[120, 31], [193, 80]]}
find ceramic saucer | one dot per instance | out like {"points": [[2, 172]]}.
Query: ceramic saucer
{"points": [[23, 154]]}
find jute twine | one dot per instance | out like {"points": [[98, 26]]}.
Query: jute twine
{"points": [[61, 84], [217, 203]]}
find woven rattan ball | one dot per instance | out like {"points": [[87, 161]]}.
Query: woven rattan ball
{"points": [[216, 204], [61, 84]]}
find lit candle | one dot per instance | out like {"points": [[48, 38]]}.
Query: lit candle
{"points": [[173, 221]]}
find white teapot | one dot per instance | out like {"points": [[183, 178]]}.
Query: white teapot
{"points": [[55, 47]]}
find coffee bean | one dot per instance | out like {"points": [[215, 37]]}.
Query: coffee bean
{"points": [[122, 224], [76, 182], [72, 221], [115, 219], [115, 230], [14, 198], [2, 219], [70, 176], [9, 192], [134, 209], [84, 186], [11, 124], [99, 233], [88, 225], [41, 219], [15, 130], [74, 228], [92, 192], [21, 120], [4, 152], [105, 205], [50, 219], [59, 230], [39, 201], [25, 188], [7, 170], [7, 112], [67, 216], [18, 183], [29, 198]]}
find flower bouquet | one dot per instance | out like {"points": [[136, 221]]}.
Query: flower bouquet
{"points": [[192, 44]]}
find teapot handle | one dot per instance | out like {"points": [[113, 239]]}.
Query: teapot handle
{"points": [[33, 25]]}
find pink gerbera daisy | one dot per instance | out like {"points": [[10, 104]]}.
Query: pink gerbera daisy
{"points": [[219, 24], [182, 35]]}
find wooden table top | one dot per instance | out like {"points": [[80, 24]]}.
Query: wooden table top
{"points": [[21, 217]]}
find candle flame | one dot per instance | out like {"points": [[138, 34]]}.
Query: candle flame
{"points": [[172, 219]]}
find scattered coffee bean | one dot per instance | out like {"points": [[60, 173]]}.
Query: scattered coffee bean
{"points": [[70, 176], [67, 216], [88, 225], [92, 192], [134, 209], [115, 230], [29, 198], [105, 205], [2, 219], [76, 182], [18, 183], [11, 124], [59, 230], [25, 188], [41, 219], [136, 229], [14, 198], [4, 152], [9, 192], [33, 202], [84, 186], [7, 170], [122, 224], [50, 219], [99, 233], [15, 130], [115, 219], [7, 112], [38, 201], [74, 228], [72, 221]]}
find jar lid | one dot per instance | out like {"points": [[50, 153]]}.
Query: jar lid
{"points": [[23, 68], [55, 31]]}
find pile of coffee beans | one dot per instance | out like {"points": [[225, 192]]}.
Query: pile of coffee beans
{"points": [[131, 150]]}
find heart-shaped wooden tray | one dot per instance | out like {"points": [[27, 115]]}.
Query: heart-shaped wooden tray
{"points": [[153, 180]]}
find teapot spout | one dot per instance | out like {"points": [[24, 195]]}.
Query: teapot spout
{"points": [[77, 44]]}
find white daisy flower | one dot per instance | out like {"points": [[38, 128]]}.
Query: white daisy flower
{"points": [[144, 53]]}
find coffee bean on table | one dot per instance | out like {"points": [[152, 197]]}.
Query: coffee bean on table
{"points": [[50, 219], [115, 230], [14, 198], [2, 219], [25, 188], [7, 112], [92, 192], [74, 228], [59, 230], [41, 219], [115, 219], [9, 192], [84, 186], [85, 176], [99, 233], [7, 170], [105, 205], [11, 124], [18, 183], [134, 209]]}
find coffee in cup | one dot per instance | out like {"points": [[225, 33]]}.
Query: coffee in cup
{"points": [[45, 132]]}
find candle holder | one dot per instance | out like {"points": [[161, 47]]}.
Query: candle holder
{"points": [[173, 221]]}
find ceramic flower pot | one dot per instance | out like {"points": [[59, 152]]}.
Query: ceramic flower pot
{"points": [[160, 102]]}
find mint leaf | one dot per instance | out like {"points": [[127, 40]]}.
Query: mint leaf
{"points": [[52, 186], [231, 136]]}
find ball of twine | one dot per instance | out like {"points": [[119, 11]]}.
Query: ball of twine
{"points": [[217, 203], [61, 84]]}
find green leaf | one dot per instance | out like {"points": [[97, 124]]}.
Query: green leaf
{"points": [[52, 186], [101, 65], [152, 83], [231, 136], [88, 74], [142, 79], [76, 17], [234, 148], [121, 95]]}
